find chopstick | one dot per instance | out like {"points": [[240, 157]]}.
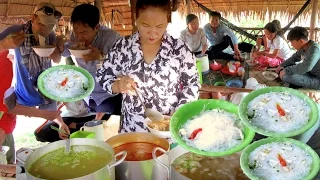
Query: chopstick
{"points": [[42, 125], [25, 35], [59, 130], [207, 88]]}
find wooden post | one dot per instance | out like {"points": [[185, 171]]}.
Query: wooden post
{"points": [[313, 21], [188, 7], [133, 15], [98, 4]]}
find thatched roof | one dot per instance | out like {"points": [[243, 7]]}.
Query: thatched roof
{"points": [[117, 13], [18, 11], [257, 8]]}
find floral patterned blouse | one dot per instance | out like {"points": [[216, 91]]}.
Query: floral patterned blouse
{"points": [[168, 82]]}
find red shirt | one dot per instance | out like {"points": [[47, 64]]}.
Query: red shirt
{"points": [[8, 121]]}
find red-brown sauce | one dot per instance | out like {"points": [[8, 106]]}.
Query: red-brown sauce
{"points": [[138, 151]]}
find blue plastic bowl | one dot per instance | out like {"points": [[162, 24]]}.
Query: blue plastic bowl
{"points": [[234, 83]]}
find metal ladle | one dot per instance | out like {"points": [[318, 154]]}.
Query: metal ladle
{"points": [[153, 115]]}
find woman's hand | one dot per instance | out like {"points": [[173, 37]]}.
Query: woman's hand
{"points": [[124, 84]]}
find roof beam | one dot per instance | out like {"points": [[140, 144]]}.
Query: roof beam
{"points": [[118, 4]]}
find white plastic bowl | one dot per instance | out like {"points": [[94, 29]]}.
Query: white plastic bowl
{"points": [[161, 134], [270, 76], [45, 51], [251, 62], [79, 53]]}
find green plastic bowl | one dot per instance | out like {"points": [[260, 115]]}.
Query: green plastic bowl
{"points": [[83, 134], [189, 110], [77, 98], [244, 159], [247, 99]]}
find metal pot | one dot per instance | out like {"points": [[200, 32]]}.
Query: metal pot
{"points": [[172, 155], [105, 173], [178, 151], [141, 170]]}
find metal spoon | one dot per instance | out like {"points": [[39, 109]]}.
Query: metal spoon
{"points": [[153, 115], [67, 140]]}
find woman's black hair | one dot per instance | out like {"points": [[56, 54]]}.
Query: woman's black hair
{"points": [[86, 14], [166, 5], [274, 28], [298, 33]]}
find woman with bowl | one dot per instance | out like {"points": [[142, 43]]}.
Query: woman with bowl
{"points": [[161, 67]]}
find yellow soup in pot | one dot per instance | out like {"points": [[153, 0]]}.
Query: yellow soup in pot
{"points": [[80, 161]]}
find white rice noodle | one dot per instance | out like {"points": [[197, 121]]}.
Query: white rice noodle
{"points": [[221, 131], [263, 112], [76, 85], [264, 162]]}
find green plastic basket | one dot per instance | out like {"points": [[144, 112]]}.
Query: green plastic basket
{"points": [[244, 159], [247, 99], [189, 110], [73, 99]]}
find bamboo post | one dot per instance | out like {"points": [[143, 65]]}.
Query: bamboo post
{"points": [[133, 15], [98, 4], [188, 7], [313, 20]]}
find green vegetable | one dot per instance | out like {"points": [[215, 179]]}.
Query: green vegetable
{"points": [[254, 165], [84, 87]]}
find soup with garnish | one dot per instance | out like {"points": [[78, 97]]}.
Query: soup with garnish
{"points": [[159, 125], [80, 161], [200, 167], [138, 151]]}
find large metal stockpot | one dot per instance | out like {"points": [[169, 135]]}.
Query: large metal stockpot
{"points": [[141, 170], [226, 165], [105, 173]]}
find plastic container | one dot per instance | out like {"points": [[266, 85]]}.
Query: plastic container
{"points": [[199, 68], [203, 58], [83, 134]]}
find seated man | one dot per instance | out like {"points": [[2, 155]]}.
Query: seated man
{"points": [[302, 69], [88, 32], [220, 37], [194, 36]]}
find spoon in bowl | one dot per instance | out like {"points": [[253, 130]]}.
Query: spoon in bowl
{"points": [[153, 115]]}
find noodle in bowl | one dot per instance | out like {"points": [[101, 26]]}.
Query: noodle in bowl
{"points": [[66, 83], [214, 130], [279, 159], [278, 112]]}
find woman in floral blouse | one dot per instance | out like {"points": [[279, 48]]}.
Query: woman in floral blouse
{"points": [[161, 67]]}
